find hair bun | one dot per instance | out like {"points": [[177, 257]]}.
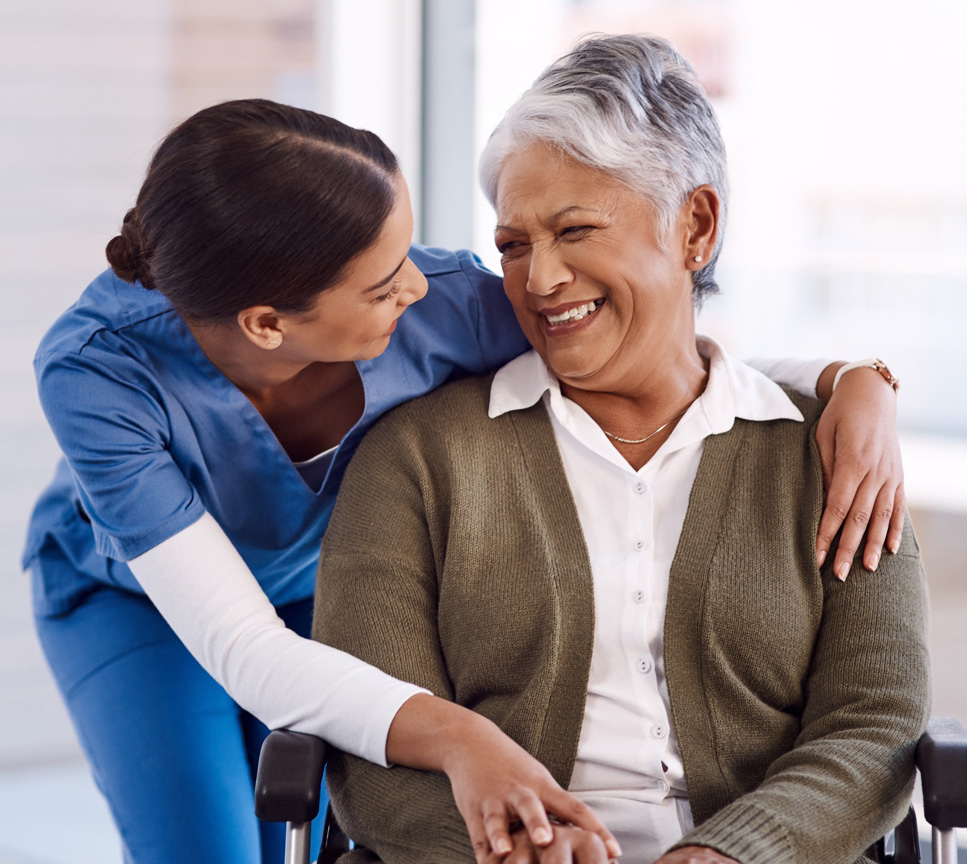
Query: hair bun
{"points": [[125, 252]]}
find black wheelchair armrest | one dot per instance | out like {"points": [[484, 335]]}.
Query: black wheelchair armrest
{"points": [[289, 777], [942, 760]]}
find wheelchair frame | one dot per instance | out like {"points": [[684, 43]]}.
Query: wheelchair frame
{"points": [[291, 767]]}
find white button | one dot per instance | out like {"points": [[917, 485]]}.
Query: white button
{"points": [[639, 545], [640, 488], [659, 731], [662, 786], [638, 596], [644, 665]]}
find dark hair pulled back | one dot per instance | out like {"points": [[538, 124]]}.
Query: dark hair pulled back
{"points": [[254, 203]]}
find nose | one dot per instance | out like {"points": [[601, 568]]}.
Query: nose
{"points": [[414, 284], [548, 272]]}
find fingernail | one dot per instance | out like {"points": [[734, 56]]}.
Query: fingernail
{"points": [[504, 846], [820, 557], [614, 850], [894, 546], [842, 571], [874, 561], [542, 837]]}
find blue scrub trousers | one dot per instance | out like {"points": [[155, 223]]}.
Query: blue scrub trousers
{"points": [[169, 749]]}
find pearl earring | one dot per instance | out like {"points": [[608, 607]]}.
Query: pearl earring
{"points": [[698, 259]]}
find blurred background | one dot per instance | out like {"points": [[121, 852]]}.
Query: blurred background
{"points": [[845, 123]]}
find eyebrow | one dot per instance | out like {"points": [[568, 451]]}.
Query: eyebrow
{"points": [[564, 211], [384, 282]]}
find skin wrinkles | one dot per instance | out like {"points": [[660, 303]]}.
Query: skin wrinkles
{"points": [[570, 234]]}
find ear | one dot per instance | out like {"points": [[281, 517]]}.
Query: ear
{"points": [[261, 326], [701, 226]]}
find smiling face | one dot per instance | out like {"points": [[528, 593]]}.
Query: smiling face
{"points": [[605, 306], [354, 319]]}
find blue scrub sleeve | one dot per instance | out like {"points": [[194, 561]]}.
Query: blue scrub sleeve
{"points": [[498, 333], [110, 422]]}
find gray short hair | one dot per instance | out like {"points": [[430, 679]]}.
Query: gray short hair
{"points": [[630, 106]]}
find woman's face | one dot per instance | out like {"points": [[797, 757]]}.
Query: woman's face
{"points": [[354, 319], [596, 296]]}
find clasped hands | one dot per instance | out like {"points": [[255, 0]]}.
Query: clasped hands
{"points": [[572, 845]]}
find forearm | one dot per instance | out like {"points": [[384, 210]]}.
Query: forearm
{"points": [[429, 733], [804, 376], [211, 600], [809, 377]]}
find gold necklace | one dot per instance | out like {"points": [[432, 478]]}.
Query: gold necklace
{"points": [[653, 434]]}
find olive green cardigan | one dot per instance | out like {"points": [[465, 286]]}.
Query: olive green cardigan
{"points": [[455, 559]]}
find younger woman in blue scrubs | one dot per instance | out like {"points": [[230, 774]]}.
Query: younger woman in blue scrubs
{"points": [[207, 393]]}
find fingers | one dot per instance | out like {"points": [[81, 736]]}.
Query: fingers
{"points": [[834, 514], [879, 525], [836, 510], [533, 816], [840, 501], [571, 846], [524, 853], [877, 511], [486, 848], [896, 519], [854, 527], [494, 834], [862, 471], [580, 847], [567, 808]]}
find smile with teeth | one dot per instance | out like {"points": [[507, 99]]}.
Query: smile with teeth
{"points": [[576, 313]]}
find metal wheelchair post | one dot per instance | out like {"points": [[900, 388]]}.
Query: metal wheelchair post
{"points": [[944, 846], [287, 788], [297, 841]]}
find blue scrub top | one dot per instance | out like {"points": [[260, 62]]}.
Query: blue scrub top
{"points": [[154, 435]]}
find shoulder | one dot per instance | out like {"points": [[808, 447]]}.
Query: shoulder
{"points": [[810, 406], [447, 414], [105, 310], [450, 430], [461, 265], [109, 355], [458, 280], [764, 473], [784, 440]]}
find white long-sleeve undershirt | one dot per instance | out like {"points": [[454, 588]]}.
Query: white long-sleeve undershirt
{"points": [[209, 597]]}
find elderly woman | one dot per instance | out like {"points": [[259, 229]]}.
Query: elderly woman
{"points": [[607, 548]]}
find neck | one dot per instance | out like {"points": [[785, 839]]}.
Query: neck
{"points": [[255, 371], [646, 408], [630, 406]]}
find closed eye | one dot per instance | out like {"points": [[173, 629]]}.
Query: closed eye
{"points": [[394, 289], [576, 232]]}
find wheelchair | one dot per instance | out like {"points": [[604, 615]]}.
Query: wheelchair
{"points": [[291, 765]]}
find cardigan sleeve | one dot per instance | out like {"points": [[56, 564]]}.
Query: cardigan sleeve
{"points": [[848, 777], [376, 598]]}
